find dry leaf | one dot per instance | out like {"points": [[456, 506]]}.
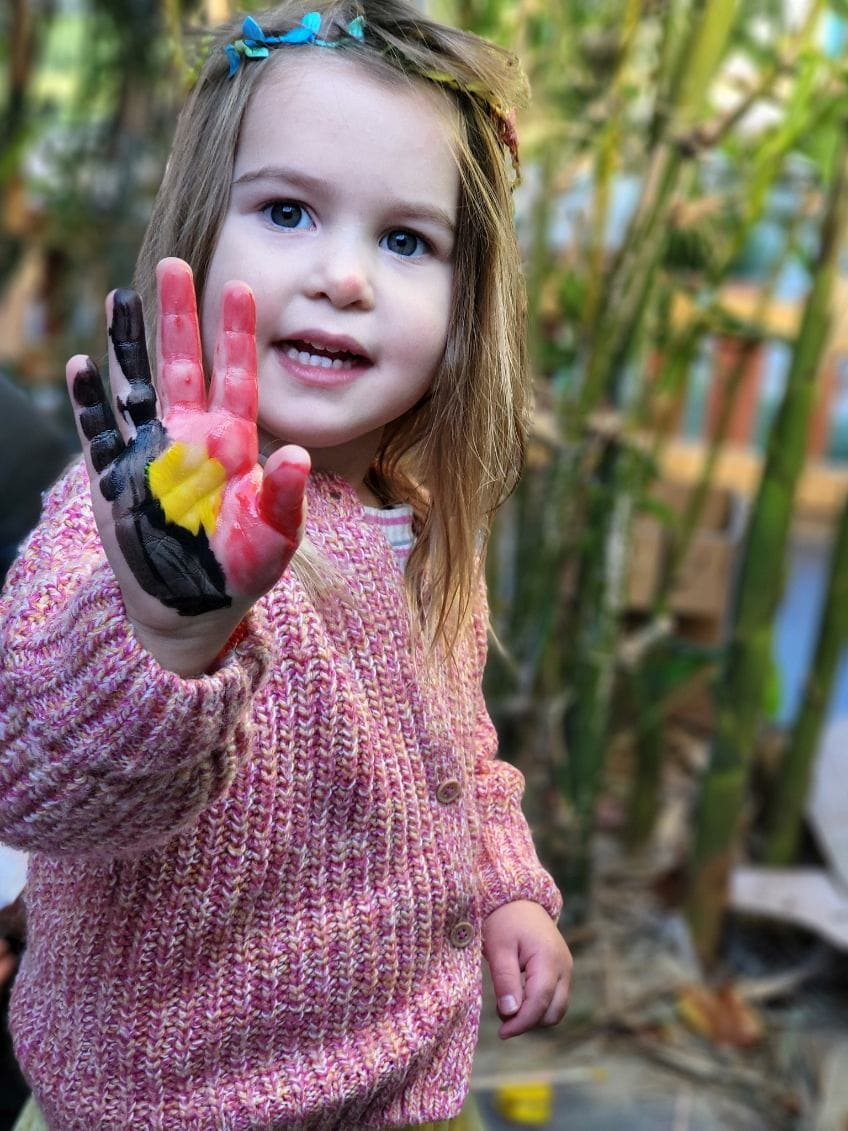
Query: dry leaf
{"points": [[721, 1015]]}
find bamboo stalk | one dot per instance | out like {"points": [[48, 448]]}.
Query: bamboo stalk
{"points": [[787, 802], [634, 276], [591, 664], [564, 642], [672, 33], [649, 749], [643, 797], [742, 683], [685, 532], [631, 278], [172, 15], [617, 336], [539, 262], [606, 164], [711, 28]]}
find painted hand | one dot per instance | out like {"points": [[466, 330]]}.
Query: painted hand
{"points": [[190, 522], [530, 966]]}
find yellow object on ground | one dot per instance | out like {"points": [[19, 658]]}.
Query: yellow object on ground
{"points": [[526, 1104]]}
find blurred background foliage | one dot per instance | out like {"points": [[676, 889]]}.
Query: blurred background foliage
{"points": [[683, 220]]}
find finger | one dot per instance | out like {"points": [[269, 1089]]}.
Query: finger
{"points": [[281, 502], [559, 1004], [136, 398], [234, 386], [539, 986], [527, 1018], [506, 981], [180, 376], [101, 441]]}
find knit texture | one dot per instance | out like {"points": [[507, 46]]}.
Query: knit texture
{"points": [[255, 898]]}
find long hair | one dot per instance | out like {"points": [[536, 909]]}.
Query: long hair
{"points": [[458, 453]]}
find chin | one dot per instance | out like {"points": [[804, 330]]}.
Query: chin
{"points": [[313, 438]]}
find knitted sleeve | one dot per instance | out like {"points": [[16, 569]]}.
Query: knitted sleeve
{"points": [[508, 866], [101, 750]]}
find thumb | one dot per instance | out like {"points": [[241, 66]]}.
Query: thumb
{"points": [[506, 980], [281, 501]]}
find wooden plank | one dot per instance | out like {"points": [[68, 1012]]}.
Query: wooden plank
{"points": [[807, 897], [820, 493]]}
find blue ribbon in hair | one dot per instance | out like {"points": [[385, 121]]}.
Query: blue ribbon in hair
{"points": [[255, 44]]}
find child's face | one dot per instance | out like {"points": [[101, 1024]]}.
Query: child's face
{"points": [[341, 219]]}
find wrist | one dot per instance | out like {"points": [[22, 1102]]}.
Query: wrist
{"points": [[195, 650]]}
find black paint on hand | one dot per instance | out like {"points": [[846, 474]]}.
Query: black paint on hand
{"points": [[171, 563]]}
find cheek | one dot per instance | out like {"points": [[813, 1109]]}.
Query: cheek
{"points": [[446, 305], [438, 334], [429, 320], [210, 310], [222, 267]]}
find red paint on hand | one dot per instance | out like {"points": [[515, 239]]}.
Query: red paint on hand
{"points": [[281, 502], [260, 518], [180, 381]]}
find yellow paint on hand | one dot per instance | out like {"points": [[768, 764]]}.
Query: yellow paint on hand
{"points": [[188, 484]]}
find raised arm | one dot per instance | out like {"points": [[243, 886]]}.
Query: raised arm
{"points": [[107, 743]]}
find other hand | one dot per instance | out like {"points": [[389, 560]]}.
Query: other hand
{"points": [[530, 966], [194, 529]]}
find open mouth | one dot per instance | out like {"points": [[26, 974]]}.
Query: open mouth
{"points": [[307, 353]]}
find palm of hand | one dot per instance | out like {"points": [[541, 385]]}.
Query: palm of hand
{"points": [[185, 513]]}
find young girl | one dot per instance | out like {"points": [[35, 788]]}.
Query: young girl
{"points": [[270, 837]]}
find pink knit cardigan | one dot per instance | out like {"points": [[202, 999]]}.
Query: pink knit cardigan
{"points": [[255, 898]]}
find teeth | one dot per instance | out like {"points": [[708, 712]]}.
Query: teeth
{"points": [[318, 360]]}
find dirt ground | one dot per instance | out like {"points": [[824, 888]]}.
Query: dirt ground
{"points": [[650, 1043]]}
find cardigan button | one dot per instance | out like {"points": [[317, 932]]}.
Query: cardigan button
{"points": [[462, 934], [449, 791]]}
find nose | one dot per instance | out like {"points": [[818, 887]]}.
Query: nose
{"points": [[342, 273]]}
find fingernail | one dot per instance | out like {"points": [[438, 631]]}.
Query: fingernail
{"points": [[507, 1004]]}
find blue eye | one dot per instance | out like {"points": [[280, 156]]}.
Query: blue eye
{"points": [[405, 243], [287, 214]]}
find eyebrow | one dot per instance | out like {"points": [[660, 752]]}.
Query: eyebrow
{"points": [[309, 184]]}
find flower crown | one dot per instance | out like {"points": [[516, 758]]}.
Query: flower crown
{"points": [[255, 44]]}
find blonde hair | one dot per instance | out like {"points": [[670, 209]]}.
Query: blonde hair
{"points": [[458, 453]]}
